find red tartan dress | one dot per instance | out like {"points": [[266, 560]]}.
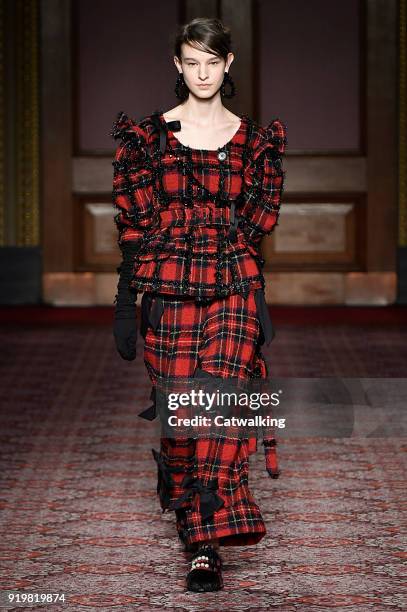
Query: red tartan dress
{"points": [[198, 217]]}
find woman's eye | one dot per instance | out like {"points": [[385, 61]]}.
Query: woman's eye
{"points": [[193, 64]]}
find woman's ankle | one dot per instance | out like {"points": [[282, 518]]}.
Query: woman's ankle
{"points": [[214, 543]]}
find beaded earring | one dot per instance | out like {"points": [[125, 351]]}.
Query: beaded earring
{"points": [[181, 89], [227, 80]]}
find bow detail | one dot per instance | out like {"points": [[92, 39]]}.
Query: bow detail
{"points": [[270, 453], [209, 499], [150, 413], [162, 127], [174, 126], [165, 471], [267, 329], [165, 480]]}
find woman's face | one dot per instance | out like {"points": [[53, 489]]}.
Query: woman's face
{"points": [[203, 71]]}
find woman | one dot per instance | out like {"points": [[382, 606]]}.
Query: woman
{"points": [[196, 189]]}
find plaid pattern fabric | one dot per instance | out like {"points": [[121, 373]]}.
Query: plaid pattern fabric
{"points": [[219, 338], [197, 215]]}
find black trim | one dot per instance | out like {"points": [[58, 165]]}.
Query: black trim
{"points": [[267, 331]]}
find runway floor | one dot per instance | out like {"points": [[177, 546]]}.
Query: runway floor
{"points": [[79, 511]]}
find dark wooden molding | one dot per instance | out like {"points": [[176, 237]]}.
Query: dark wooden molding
{"points": [[402, 126], [242, 69], [382, 160], [56, 135]]}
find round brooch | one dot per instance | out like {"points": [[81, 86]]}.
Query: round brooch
{"points": [[222, 155]]}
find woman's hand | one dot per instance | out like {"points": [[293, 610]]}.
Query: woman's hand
{"points": [[125, 335]]}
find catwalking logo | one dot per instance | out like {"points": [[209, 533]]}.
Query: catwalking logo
{"points": [[222, 421]]}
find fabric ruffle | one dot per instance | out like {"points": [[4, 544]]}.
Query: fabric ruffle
{"points": [[273, 138], [133, 182], [264, 180], [126, 129]]}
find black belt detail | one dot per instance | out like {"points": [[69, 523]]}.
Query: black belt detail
{"points": [[234, 220], [163, 128], [150, 313], [267, 329], [156, 313]]}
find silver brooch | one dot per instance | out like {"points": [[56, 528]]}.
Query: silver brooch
{"points": [[222, 155]]}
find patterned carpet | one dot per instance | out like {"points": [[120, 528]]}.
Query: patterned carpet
{"points": [[79, 512]]}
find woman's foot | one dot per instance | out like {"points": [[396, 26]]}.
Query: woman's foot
{"points": [[206, 570]]}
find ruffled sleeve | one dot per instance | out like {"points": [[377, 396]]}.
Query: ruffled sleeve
{"points": [[133, 181], [263, 183]]}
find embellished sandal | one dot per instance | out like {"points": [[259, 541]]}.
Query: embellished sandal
{"points": [[206, 570]]}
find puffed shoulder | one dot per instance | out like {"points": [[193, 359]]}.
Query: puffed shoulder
{"points": [[273, 137], [126, 129]]}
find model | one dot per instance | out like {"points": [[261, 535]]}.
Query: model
{"points": [[196, 189]]}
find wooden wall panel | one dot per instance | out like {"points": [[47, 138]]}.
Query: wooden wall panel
{"points": [[350, 178], [56, 135], [382, 134]]}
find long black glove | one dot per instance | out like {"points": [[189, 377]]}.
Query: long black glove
{"points": [[125, 318]]}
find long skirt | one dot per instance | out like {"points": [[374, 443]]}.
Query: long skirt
{"points": [[205, 480]]}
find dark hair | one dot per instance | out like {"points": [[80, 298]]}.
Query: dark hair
{"points": [[206, 34]]}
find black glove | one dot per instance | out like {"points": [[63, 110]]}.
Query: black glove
{"points": [[125, 318]]}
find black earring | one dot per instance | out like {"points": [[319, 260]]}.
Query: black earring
{"points": [[227, 80], [181, 89]]}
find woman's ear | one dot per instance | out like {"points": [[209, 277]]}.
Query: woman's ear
{"points": [[177, 63], [230, 58]]}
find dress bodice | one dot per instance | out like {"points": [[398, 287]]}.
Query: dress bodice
{"points": [[197, 215]]}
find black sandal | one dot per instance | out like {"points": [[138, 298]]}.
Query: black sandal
{"points": [[206, 570]]}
